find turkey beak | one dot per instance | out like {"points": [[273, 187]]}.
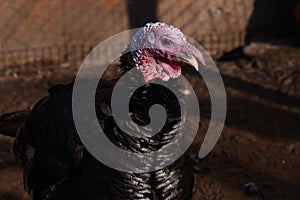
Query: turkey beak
{"points": [[189, 59], [191, 55]]}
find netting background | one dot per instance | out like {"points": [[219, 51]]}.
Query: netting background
{"points": [[56, 31]]}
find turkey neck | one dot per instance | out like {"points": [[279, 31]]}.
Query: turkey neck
{"points": [[140, 103]]}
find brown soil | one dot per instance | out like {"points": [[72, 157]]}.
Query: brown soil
{"points": [[260, 142]]}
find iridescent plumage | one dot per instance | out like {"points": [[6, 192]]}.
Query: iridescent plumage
{"points": [[58, 166]]}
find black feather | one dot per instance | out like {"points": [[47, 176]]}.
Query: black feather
{"points": [[61, 168]]}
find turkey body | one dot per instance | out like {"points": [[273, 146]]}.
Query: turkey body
{"points": [[58, 166]]}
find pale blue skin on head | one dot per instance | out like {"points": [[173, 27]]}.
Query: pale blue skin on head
{"points": [[162, 48]]}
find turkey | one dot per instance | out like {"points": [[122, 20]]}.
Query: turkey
{"points": [[58, 166]]}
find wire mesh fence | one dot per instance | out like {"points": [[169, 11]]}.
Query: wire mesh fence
{"points": [[75, 53], [51, 55], [65, 31]]}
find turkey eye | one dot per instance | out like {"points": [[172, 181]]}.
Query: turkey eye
{"points": [[166, 42]]}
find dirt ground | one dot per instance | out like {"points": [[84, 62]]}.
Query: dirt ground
{"points": [[259, 145]]}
